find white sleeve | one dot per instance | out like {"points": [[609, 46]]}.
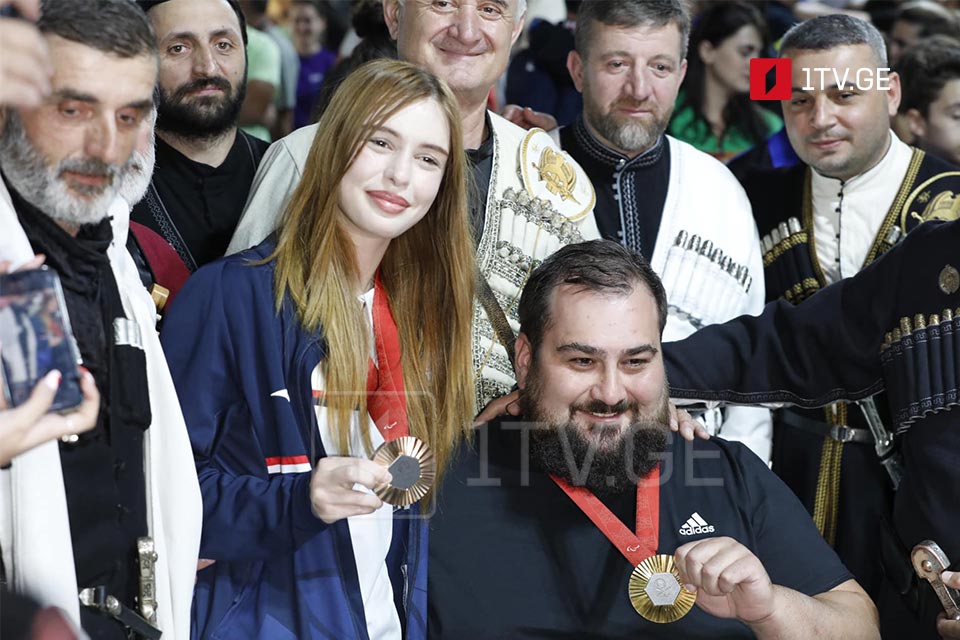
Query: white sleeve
{"points": [[276, 178]]}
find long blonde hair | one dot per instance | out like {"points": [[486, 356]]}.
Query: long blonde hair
{"points": [[428, 271]]}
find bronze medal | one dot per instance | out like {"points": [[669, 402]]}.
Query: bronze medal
{"points": [[413, 467], [656, 591]]}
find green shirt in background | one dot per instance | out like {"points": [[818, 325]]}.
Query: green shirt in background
{"points": [[696, 131], [263, 63]]}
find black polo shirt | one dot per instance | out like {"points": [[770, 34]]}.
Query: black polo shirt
{"points": [[511, 556], [195, 206]]}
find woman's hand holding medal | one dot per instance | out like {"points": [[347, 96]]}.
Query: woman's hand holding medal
{"points": [[332, 492]]}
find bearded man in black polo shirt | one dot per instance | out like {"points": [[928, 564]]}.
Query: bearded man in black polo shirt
{"points": [[204, 163], [539, 524]]}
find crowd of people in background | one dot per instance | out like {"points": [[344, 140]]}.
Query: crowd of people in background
{"points": [[293, 232]]}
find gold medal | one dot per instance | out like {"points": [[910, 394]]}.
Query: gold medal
{"points": [[656, 591], [411, 463]]}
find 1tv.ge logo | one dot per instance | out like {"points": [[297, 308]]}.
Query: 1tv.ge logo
{"points": [[772, 78]]}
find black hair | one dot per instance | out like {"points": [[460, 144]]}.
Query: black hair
{"points": [[336, 29], [260, 6], [598, 265], [716, 23], [924, 70], [147, 5], [932, 18], [376, 43]]}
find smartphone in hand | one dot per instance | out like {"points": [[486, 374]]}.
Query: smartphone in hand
{"points": [[36, 338]]}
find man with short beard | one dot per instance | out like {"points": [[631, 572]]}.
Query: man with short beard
{"points": [[677, 206], [204, 163], [82, 512], [539, 524]]}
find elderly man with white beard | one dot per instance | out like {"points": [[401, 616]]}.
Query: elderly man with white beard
{"points": [[97, 517]]}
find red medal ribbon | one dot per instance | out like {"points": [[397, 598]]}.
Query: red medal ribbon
{"points": [[386, 401], [635, 547]]}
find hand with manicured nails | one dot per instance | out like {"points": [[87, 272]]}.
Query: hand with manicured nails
{"points": [[949, 629], [729, 579], [331, 487], [29, 425], [25, 67]]}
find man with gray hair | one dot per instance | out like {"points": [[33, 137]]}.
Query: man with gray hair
{"points": [[98, 517], [629, 62], [858, 193], [530, 198]]}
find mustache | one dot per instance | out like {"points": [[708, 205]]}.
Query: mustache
{"points": [[89, 166], [212, 82], [820, 136], [646, 105], [92, 167], [598, 406]]}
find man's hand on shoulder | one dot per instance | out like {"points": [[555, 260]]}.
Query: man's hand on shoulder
{"points": [[528, 118], [683, 423], [504, 405]]}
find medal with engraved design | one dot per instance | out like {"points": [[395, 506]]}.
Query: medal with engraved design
{"points": [[412, 465], [654, 588], [656, 591]]}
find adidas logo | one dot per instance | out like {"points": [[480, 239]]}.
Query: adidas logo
{"points": [[695, 525]]}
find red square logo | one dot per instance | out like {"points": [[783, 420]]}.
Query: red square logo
{"points": [[770, 79]]}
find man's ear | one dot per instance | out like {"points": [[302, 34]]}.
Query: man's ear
{"points": [[916, 123], [3, 118], [893, 94], [575, 67], [523, 357], [391, 15]]}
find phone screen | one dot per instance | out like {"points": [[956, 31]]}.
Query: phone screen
{"points": [[36, 338]]}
